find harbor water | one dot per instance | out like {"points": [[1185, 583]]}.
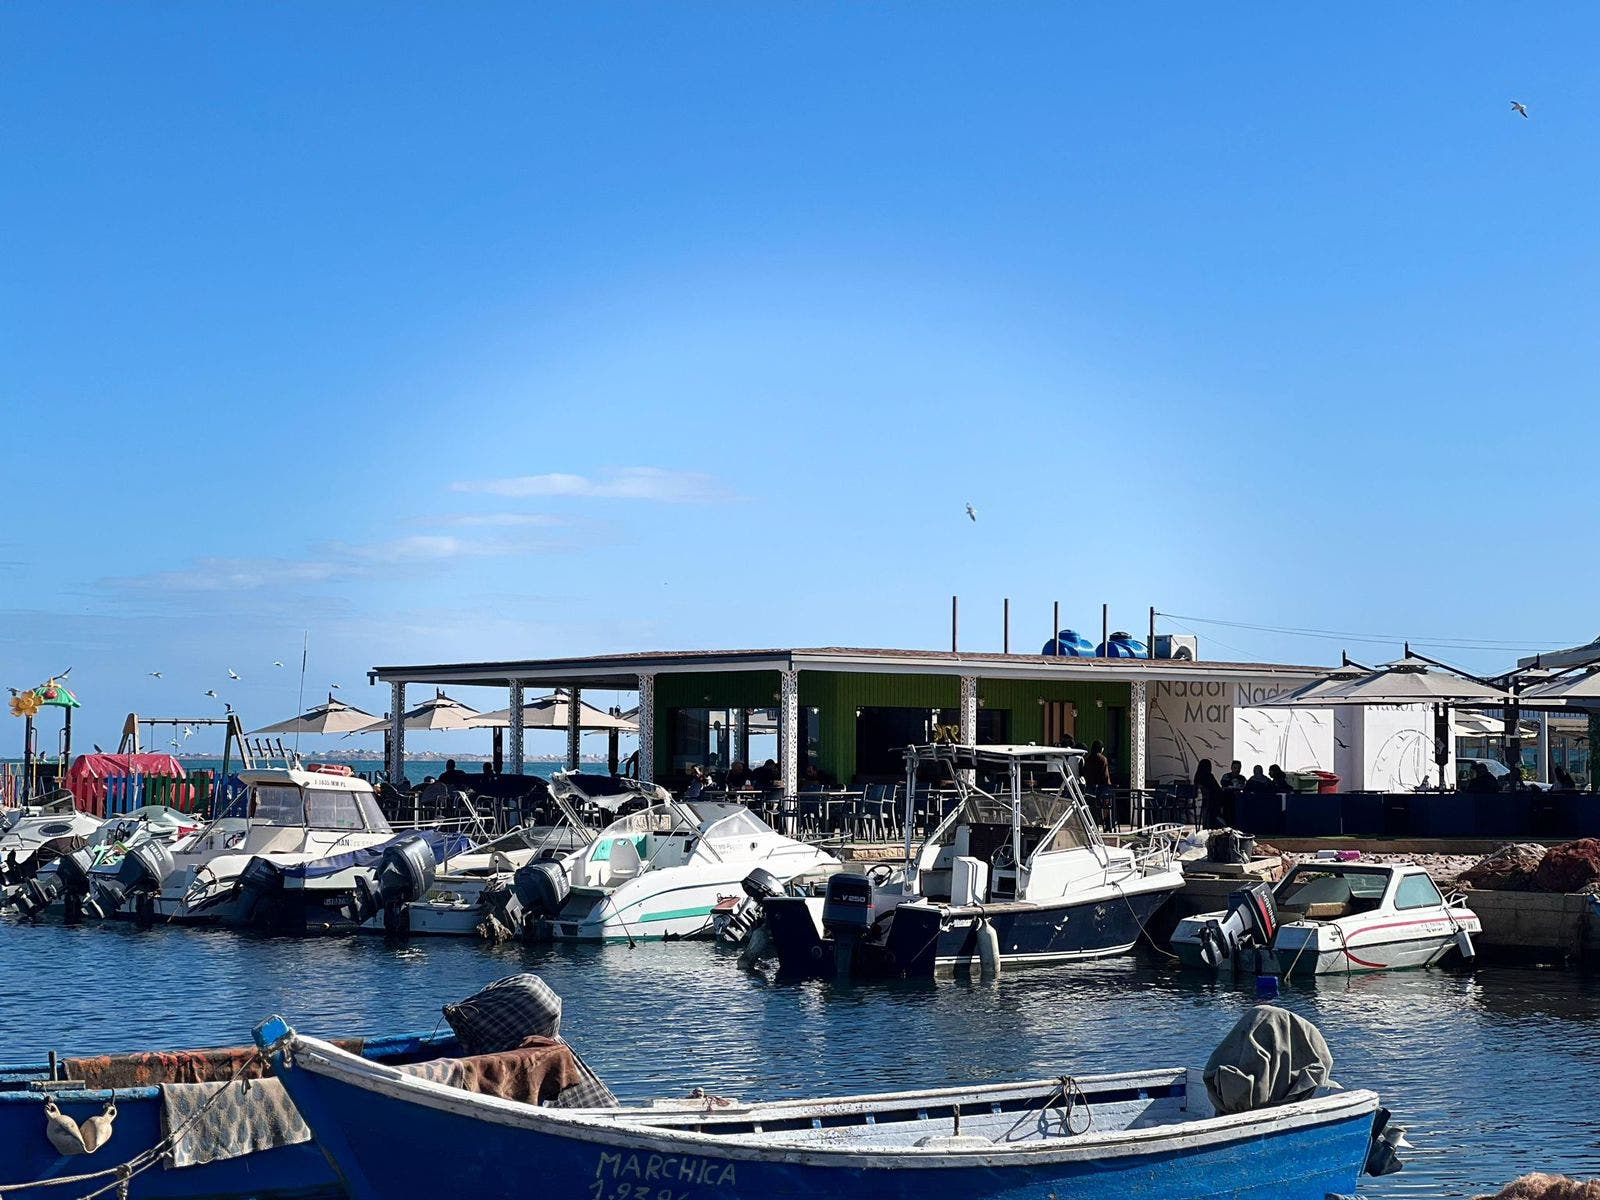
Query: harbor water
{"points": [[1492, 1074]]}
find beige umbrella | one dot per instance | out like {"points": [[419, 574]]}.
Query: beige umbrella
{"points": [[1482, 725], [553, 712], [1579, 688], [333, 717], [440, 713]]}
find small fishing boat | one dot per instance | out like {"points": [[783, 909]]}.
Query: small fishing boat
{"points": [[54, 826], [88, 881], [1017, 872], [1263, 1121], [1332, 916], [660, 872]]}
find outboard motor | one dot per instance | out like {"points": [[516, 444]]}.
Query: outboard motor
{"points": [[77, 884], [1251, 925], [405, 873], [542, 887], [261, 889], [144, 869], [37, 895], [760, 885], [849, 911]]}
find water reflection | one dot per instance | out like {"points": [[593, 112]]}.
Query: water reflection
{"points": [[1492, 1074]]}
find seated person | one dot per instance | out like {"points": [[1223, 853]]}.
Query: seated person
{"points": [[452, 776], [1234, 780], [1259, 784], [1280, 781]]}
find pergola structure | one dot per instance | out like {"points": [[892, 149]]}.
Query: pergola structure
{"points": [[833, 683]]}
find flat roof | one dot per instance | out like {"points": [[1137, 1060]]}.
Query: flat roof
{"points": [[621, 671]]}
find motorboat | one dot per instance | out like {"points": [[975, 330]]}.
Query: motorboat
{"points": [[84, 881], [659, 872], [1332, 916], [1262, 1119], [467, 896], [1017, 872], [605, 796], [290, 865], [54, 826]]}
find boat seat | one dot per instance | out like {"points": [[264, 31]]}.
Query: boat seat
{"points": [[1326, 910], [624, 863]]}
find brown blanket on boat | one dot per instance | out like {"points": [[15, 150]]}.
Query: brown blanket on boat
{"points": [[540, 1071], [176, 1066]]}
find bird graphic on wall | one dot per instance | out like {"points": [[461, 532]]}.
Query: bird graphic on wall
{"points": [[1520, 109]]}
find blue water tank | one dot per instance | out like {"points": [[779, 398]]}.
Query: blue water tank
{"points": [[1069, 643], [1122, 645]]}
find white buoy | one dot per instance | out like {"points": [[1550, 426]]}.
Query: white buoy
{"points": [[988, 950]]}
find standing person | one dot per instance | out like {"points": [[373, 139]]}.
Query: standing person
{"points": [[1096, 768], [1234, 780], [1210, 795]]}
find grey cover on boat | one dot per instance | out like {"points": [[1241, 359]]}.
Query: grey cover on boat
{"points": [[504, 1013], [1270, 1056], [249, 1115]]}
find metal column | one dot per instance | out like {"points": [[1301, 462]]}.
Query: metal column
{"points": [[516, 726], [741, 739], [789, 748], [1543, 760], [647, 728], [1138, 750], [397, 732], [574, 730]]}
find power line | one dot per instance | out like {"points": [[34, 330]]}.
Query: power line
{"points": [[1374, 638]]}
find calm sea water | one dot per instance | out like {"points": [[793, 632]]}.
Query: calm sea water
{"points": [[1493, 1074]]}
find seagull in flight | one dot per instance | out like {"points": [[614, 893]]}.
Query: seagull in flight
{"points": [[155, 674], [175, 744], [188, 732], [232, 674], [334, 686], [212, 692], [972, 513], [277, 664], [1520, 109]]}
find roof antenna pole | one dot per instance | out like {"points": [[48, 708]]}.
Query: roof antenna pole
{"points": [[954, 611], [300, 704], [1055, 626], [1005, 627]]}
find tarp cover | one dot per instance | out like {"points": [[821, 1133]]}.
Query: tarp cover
{"points": [[89, 769], [1270, 1056]]}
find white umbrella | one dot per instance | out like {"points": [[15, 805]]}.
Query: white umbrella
{"points": [[553, 712], [440, 713], [333, 717], [1411, 680], [1573, 687], [1482, 725]]}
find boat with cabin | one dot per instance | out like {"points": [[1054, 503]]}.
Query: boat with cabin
{"points": [[1017, 872], [1332, 915]]}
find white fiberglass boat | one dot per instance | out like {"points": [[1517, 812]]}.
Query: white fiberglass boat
{"points": [[1332, 917], [471, 887], [24, 831], [659, 872]]}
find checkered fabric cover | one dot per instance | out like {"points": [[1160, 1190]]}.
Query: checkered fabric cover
{"points": [[591, 1093], [505, 1012]]}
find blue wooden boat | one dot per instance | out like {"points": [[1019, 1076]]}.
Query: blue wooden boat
{"points": [[1144, 1135], [146, 1091]]}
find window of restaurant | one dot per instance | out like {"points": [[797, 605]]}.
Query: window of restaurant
{"points": [[691, 739]]}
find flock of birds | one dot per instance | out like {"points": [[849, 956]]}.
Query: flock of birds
{"points": [[211, 694]]}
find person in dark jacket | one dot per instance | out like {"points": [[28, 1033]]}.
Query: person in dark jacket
{"points": [[1210, 794], [1259, 784], [1096, 768], [1280, 781]]}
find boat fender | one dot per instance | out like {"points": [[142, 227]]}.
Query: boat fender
{"points": [[1469, 952], [97, 1130], [988, 949]]}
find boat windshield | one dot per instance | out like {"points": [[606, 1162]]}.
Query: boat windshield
{"points": [[1039, 808], [1331, 883], [658, 818], [277, 804], [730, 820]]}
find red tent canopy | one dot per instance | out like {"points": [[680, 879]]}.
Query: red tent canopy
{"points": [[88, 773]]}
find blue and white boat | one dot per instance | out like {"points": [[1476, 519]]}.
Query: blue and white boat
{"points": [[72, 1117], [1137, 1135]]}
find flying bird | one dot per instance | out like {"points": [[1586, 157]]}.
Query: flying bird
{"points": [[334, 686], [972, 513], [277, 664], [232, 674], [63, 674], [212, 692], [155, 674], [175, 744], [188, 732], [1520, 109]]}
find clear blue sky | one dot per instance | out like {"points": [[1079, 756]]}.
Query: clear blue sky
{"points": [[448, 331]]}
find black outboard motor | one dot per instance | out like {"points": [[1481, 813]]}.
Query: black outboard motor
{"points": [[1249, 927], [760, 885], [542, 887], [849, 911], [261, 890], [37, 895], [77, 884], [405, 873], [144, 869]]}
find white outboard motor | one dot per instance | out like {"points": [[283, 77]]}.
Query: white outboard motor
{"points": [[405, 873], [760, 885], [542, 887], [1250, 926], [144, 869]]}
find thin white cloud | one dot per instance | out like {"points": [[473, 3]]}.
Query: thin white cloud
{"points": [[503, 520], [622, 483]]}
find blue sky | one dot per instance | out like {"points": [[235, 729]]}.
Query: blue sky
{"points": [[448, 331]]}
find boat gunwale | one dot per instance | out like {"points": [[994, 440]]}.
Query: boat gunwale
{"points": [[611, 1128]]}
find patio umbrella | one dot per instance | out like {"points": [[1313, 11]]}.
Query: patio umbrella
{"points": [[439, 714], [1580, 688], [1409, 680], [333, 717], [1336, 678], [1482, 725], [552, 712]]}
